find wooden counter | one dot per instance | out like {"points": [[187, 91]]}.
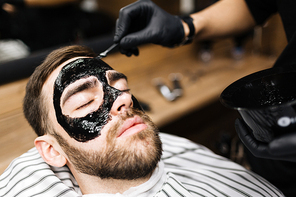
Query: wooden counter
{"points": [[202, 84]]}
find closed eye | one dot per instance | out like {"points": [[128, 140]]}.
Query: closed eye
{"points": [[84, 105], [126, 90]]}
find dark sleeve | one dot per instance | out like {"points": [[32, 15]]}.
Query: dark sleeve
{"points": [[262, 9]]}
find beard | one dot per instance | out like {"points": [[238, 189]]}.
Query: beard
{"points": [[135, 157]]}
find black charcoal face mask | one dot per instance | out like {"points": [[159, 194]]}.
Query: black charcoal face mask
{"points": [[88, 127]]}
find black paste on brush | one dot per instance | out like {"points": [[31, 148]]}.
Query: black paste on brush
{"points": [[88, 127]]}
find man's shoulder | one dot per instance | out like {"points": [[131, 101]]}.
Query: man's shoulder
{"points": [[29, 175], [203, 172], [20, 166], [181, 153], [174, 145], [188, 154]]}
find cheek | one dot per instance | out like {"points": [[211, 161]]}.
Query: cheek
{"points": [[98, 144], [108, 127], [56, 126], [110, 130]]}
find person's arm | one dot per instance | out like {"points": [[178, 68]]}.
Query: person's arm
{"points": [[38, 3], [49, 3], [144, 22], [224, 18]]}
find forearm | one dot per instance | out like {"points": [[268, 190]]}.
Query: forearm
{"points": [[224, 18], [48, 3]]}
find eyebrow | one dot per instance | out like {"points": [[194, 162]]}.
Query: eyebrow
{"points": [[115, 76], [84, 86]]}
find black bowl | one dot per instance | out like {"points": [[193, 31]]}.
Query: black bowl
{"points": [[266, 100]]}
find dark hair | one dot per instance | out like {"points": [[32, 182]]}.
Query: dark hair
{"points": [[34, 107]]}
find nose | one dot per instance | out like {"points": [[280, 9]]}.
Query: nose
{"points": [[122, 103]]}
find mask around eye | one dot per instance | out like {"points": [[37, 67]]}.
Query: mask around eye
{"points": [[88, 127]]}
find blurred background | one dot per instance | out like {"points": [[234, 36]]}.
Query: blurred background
{"points": [[202, 69]]}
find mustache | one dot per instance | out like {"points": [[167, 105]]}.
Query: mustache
{"points": [[129, 113]]}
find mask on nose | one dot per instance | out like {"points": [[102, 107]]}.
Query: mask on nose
{"points": [[88, 127]]}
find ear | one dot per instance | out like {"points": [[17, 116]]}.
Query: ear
{"points": [[50, 151]]}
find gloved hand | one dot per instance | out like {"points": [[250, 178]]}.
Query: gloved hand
{"points": [[281, 148], [144, 22]]}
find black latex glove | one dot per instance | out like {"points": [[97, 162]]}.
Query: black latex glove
{"points": [[144, 22], [281, 148]]}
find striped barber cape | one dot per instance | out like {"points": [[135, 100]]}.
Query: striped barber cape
{"points": [[189, 169]]}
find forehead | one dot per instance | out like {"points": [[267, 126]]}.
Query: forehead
{"points": [[49, 84]]}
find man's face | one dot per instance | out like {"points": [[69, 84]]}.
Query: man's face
{"points": [[86, 78], [115, 140]]}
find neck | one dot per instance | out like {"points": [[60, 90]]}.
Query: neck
{"points": [[95, 185]]}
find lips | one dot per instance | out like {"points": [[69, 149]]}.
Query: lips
{"points": [[132, 126]]}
